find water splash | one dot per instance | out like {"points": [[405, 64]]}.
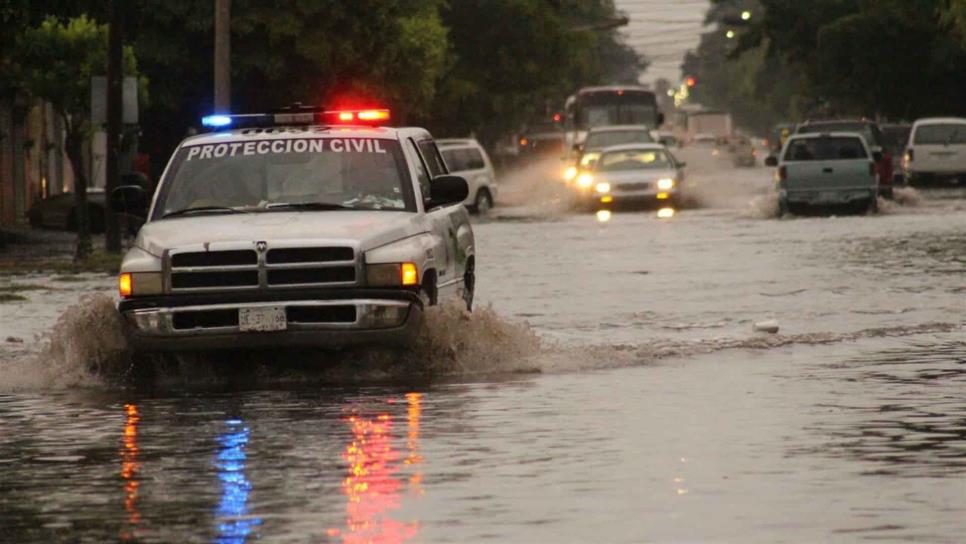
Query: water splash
{"points": [[85, 345], [87, 348]]}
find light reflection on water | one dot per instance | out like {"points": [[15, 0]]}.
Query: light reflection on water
{"points": [[372, 488], [234, 522], [130, 466]]}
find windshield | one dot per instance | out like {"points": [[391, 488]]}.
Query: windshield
{"points": [[356, 173], [825, 149], [635, 159], [599, 140], [944, 134], [601, 115]]}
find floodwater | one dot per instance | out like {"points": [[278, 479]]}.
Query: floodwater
{"points": [[610, 388]]}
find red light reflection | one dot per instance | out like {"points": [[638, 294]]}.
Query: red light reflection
{"points": [[372, 487], [130, 466]]}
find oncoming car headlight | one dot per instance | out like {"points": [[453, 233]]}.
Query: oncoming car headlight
{"points": [[135, 284], [665, 184], [602, 187], [589, 158], [570, 173], [585, 180], [392, 275]]}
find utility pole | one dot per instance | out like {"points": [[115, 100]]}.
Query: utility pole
{"points": [[222, 56], [115, 75]]}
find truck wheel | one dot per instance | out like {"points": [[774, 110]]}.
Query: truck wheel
{"points": [[783, 207], [469, 284], [872, 206]]}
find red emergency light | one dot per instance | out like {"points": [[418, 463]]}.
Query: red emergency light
{"points": [[298, 115], [362, 117]]}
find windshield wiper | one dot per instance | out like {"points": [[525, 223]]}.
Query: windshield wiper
{"points": [[203, 209], [307, 206]]}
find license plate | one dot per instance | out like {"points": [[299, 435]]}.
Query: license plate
{"points": [[270, 318], [828, 197]]}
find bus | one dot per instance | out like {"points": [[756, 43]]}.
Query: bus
{"points": [[606, 106]]}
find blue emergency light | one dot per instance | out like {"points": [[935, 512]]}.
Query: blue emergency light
{"points": [[216, 121], [297, 115]]}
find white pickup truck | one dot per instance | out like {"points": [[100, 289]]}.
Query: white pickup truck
{"points": [[300, 228]]}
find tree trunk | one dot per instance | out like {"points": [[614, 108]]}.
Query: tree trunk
{"points": [[74, 145]]}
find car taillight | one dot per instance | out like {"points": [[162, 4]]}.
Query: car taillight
{"points": [[782, 173]]}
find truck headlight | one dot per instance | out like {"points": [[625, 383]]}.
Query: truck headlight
{"points": [[392, 275], [602, 187], [585, 180], [135, 284], [589, 158], [665, 184]]}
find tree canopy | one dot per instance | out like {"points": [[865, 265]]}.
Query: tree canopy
{"points": [[892, 59]]}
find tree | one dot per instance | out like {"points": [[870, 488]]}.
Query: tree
{"points": [[510, 58], [56, 62]]}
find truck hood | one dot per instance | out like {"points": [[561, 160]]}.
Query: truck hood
{"points": [[368, 229]]}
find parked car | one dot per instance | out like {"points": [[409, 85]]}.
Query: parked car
{"points": [[743, 153], [936, 151], [633, 173], [541, 140], [896, 135], [828, 169], [60, 211], [873, 137], [467, 158]]}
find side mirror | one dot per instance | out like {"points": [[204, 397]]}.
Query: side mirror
{"points": [[682, 164], [771, 160], [660, 119], [130, 200], [448, 189]]}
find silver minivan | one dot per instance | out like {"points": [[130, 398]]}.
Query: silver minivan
{"points": [[826, 169], [467, 158]]}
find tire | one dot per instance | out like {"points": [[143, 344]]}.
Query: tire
{"points": [[483, 202], [872, 206], [469, 284]]}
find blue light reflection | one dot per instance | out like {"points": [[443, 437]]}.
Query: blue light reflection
{"points": [[234, 522]]}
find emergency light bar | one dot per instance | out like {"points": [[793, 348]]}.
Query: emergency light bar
{"points": [[297, 116]]}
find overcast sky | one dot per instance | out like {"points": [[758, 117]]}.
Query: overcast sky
{"points": [[663, 30]]}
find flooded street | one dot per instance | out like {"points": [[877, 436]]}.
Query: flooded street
{"points": [[610, 388]]}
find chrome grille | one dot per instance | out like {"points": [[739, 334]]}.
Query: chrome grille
{"points": [[190, 270], [637, 186]]}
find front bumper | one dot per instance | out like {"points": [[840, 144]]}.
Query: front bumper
{"points": [[320, 318], [643, 195]]}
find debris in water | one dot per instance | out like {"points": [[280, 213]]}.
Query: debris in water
{"points": [[770, 326]]}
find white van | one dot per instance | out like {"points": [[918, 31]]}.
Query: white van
{"points": [[467, 158], [936, 150]]}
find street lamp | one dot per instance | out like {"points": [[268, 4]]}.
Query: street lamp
{"points": [[730, 34], [745, 15]]}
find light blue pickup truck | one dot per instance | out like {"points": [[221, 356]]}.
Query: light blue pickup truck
{"points": [[827, 169]]}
